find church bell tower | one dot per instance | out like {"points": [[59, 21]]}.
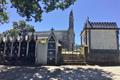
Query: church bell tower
{"points": [[71, 20], [71, 34]]}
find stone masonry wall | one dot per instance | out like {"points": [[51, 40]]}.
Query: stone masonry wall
{"points": [[103, 58]]}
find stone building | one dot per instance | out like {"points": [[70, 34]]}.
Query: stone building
{"points": [[66, 37], [48, 50], [39, 47], [100, 41]]}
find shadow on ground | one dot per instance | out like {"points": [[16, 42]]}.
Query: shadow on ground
{"points": [[44, 73]]}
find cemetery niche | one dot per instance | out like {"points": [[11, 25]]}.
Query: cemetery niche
{"points": [[17, 51], [31, 51], [23, 51], [8, 45], [2, 45]]}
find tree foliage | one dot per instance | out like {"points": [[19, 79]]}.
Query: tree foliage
{"points": [[19, 28], [33, 9], [3, 13]]}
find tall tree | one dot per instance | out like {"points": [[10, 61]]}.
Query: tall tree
{"points": [[33, 9], [19, 28]]}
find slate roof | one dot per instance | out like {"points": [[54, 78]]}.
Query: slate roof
{"points": [[100, 25], [103, 25], [45, 34]]}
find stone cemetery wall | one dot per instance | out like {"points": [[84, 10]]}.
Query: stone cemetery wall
{"points": [[103, 58]]}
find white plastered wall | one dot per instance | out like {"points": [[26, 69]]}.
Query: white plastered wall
{"points": [[41, 53], [103, 39]]}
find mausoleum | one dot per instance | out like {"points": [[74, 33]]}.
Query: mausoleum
{"points": [[100, 41]]}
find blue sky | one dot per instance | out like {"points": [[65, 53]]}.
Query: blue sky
{"points": [[96, 10]]}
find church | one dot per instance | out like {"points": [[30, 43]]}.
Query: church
{"points": [[39, 47], [66, 37], [50, 42]]}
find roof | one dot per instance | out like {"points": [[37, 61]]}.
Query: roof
{"points": [[46, 34], [101, 25]]}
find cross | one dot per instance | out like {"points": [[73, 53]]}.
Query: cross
{"points": [[52, 29]]}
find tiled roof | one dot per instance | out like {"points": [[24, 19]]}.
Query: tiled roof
{"points": [[99, 25], [103, 24]]}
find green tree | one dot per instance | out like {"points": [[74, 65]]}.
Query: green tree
{"points": [[19, 28], [3, 13], [33, 9]]}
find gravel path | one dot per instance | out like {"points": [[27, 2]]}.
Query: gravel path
{"points": [[67, 72]]}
